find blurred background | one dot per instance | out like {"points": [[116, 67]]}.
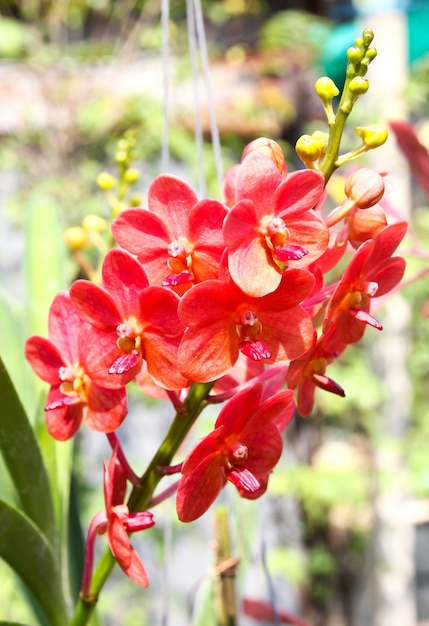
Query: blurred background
{"points": [[342, 537]]}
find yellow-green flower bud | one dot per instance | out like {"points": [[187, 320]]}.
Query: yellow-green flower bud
{"points": [[118, 207], [106, 181], [326, 89], [358, 86], [371, 53], [94, 223], [355, 55], [308, 148], [75, 237], [367, 37], [123, 145], [121, 156], [372, 136], [136, 200], [131, 175]]}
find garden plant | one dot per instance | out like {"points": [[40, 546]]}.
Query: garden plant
{"points": [[243, 301]]}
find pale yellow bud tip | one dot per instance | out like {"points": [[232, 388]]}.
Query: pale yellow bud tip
{"points": [[106, 181], [372, 136], [75, 237], [94, 224]]}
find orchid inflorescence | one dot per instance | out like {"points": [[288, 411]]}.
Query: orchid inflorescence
{"points": [[240, 301]]}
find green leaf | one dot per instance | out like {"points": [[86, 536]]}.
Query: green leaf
{"points": [[22, 456], [45, 277], [13, 624], [12, 349], [204, 613], [44, 261], [30, 555], [76, 542]]}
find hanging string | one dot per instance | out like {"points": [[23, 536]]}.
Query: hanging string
{"points": [[168, 551], [214, 131], [165, 23], [198, 130]]}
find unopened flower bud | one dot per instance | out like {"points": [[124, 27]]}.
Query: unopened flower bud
{"points": [[123, 145], [365, 187], [372, 136], [355, 55], [270, 148], [358, 85], [94, 224], [371, 53], [121, 156], [131, 175], [367, 36], [106, 181], [363, 224], [136, 200], [309, 148], [326, 89], [118, 207], [75, 237]]}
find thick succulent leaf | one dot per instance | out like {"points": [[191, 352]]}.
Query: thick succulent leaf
{"points": [[28, 552], [22, 456]]}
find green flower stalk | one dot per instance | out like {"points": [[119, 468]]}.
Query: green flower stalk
{"points": [[309, 148], [142, 493]]}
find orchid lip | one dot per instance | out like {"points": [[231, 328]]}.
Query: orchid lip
{"points": [[256, 350], [181, 278], [124, 363], [289, 253], [366, 318], [244, 479], [63, 402]]}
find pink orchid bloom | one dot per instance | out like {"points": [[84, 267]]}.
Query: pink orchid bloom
{"points": [[243, 448], [178, 238], [127, 321], [272, 225], [223, 321], [74, 396]]}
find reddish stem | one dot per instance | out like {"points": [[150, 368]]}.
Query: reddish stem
{"points": [[97, 524], [116, 445]]}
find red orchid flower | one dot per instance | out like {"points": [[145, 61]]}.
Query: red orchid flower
{"points": [[372, 272], [120, 522], [243, 448], [178, 239], [128, 322], [309, 371], [117, 522], [74, 396], [222, 321], [272, 226]]}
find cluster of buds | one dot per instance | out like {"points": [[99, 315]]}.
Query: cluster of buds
{"points": [[235, 297]]}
